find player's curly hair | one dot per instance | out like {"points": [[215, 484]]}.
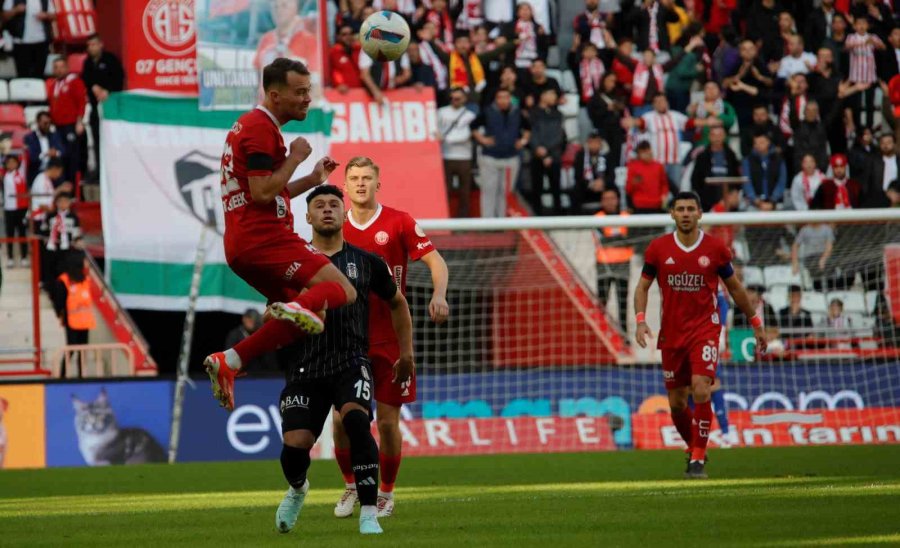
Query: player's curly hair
{"points": [[362, 161], [322, 189]]}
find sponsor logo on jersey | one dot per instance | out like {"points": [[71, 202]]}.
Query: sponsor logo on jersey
{"points": [[398, 276], [419, 232], [670, 260], [234, 201], [668, 374], [715, 319], [289, 273], [281, 207], [423, 245], [291, 402], [351, 271], [381, 238], [236, 128], [703, 261], [686, 281]]}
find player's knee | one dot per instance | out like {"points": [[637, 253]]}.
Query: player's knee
{"points": [[701, 389], [388, 426], [300, 439], [356, 424]]}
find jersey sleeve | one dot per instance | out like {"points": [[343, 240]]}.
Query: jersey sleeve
{"points": [[382, 283], [725, 269], [414, 239], [258, 145], [650, 261]]}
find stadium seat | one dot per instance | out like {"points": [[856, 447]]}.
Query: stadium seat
{"points": [[854, 301], [556, 74], [7, 68], [48, 67], [76, 62], [781, 274], [753, 275], [871, 301], [4, 91], [818, 318], [31, 112], [12, 114], [814, 302], [29, 90], [860, 320], [777, 296], [570, 125], [568, 83], [569, 109]]}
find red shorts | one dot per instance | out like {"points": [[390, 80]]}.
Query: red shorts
{"points": [[281, 268], [701, 358], [383, 357]]}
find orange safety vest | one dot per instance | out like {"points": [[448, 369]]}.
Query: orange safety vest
{"points": [[79, 305], [613, 254]]}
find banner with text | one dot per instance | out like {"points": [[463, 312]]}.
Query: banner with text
{"points": [[237, 38], [159, 46], [161, 183]]}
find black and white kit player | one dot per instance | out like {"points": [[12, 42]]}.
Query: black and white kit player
{"points": [[332, 369]]}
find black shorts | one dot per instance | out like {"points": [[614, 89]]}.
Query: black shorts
{"points": [[305, 404]]}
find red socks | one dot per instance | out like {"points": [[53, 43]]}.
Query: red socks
{"points": [[390, 466], [317, 296], [702, 420], [343, 459], [271, 336], [682, 422]]}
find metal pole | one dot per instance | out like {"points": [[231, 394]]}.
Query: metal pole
{"points": [[187, 337]]}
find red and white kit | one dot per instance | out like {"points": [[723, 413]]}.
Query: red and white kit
{"points": [[260, 243], [688, 279], [394, 236]]}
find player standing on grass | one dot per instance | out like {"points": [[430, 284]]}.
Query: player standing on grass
{"points": [[333, 369], [394, 236], [687, 265], [260, 243]]}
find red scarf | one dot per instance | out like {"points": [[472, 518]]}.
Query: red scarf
{"points": [[642, 79], [21, 186], [597, 25], [654, 27], [807, 191], [842, 197], [444, 25], [591, 73], [471, 15]]}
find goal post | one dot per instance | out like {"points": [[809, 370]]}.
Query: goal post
{"points": [[533, 358]]}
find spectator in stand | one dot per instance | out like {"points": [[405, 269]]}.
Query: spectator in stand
{"points": [[877, 12], [646, 186], [68, 98], [838, 192], [885, 170], [352, 14], [793, 111], [839, 32], [715, 160], [826, 88], [43, 144], [455, 136], [468, 14], [46, 185], [862, 158], [893, 193], [760, 306], [15, 208], [498, 13], [648, 77], [760, 123], [538, 82], [806, 183], [726, 57], [590, 26], [344, 60], [466, 68], [502, 132], [796, 61], [422, 73], [650, 19], [750, 85], [712, 111], [763, 25], [730, 203], [810, 139], [690, 50], [379, 77], [889, 58], [766, 175], [548, 142], [717, 15], [102, 74], [595, 170], [439, 15], [508, 81], [531, 39], [663, 128], [613, 254], [794, 316], [605, 111], [862, 45], [589, 71], [430, 56], [623, 66], [59, 229], [686, 19], [836, 318], [30, 25], [818, 24], [251, 321]]}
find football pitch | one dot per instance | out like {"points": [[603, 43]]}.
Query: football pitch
{"points": [[755, 497]]}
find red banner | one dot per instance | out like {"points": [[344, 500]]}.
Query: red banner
{"points": [[159, 46], [400, 138], [512, 435], [780, 428]]}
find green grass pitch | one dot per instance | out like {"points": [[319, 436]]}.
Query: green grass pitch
{"points": [[755, 497]]}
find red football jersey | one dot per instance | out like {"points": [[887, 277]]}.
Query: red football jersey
{"points": [[394, 236], [688, 279], [254, 147]]}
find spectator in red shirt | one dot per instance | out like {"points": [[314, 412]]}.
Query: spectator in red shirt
{"points": [[730, 202], [838, 192], [647, 186], [344, 60], [67, 96]]}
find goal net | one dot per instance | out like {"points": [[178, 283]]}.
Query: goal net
{"points": [[539, 356]]}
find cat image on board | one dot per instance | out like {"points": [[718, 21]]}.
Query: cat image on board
{"points": [[101, 441]]}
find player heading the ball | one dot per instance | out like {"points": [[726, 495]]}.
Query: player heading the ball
{"points": [[687, 264], [260, 243]]}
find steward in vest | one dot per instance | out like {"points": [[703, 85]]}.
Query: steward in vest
{"points": [[73, 302], [613, 256]]}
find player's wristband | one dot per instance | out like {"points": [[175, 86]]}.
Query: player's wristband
{"points": [[756, 321], [640, 317]]}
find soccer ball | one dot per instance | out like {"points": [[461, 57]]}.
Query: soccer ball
{"points": [[384, 36]]}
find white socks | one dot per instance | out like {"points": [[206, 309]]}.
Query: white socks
{"points": [[232, 360], [351, 486], [302, 490], [388, 496]]}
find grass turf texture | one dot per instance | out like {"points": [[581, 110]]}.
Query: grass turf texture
{"points": [[762, 497]]}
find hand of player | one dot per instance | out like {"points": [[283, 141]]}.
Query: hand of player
{"points": [[762, 344], [300, 149], [324, 167], [438, 309], [641, 334], [403, 370]]}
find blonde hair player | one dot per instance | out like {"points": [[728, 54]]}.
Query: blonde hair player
{"points": [[394, 236]]}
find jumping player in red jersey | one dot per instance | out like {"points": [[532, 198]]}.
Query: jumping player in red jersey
{"points": [[260, 243], [687, 265], [395, 237]]}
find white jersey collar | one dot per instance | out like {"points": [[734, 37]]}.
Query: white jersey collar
{"points": [[682, 246], [368, 223]]}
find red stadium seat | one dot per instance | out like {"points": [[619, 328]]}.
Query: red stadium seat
{"points": [[13, 115], [76, 62]]}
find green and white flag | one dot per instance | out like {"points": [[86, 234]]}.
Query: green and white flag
{"points": [[160, 184]]}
